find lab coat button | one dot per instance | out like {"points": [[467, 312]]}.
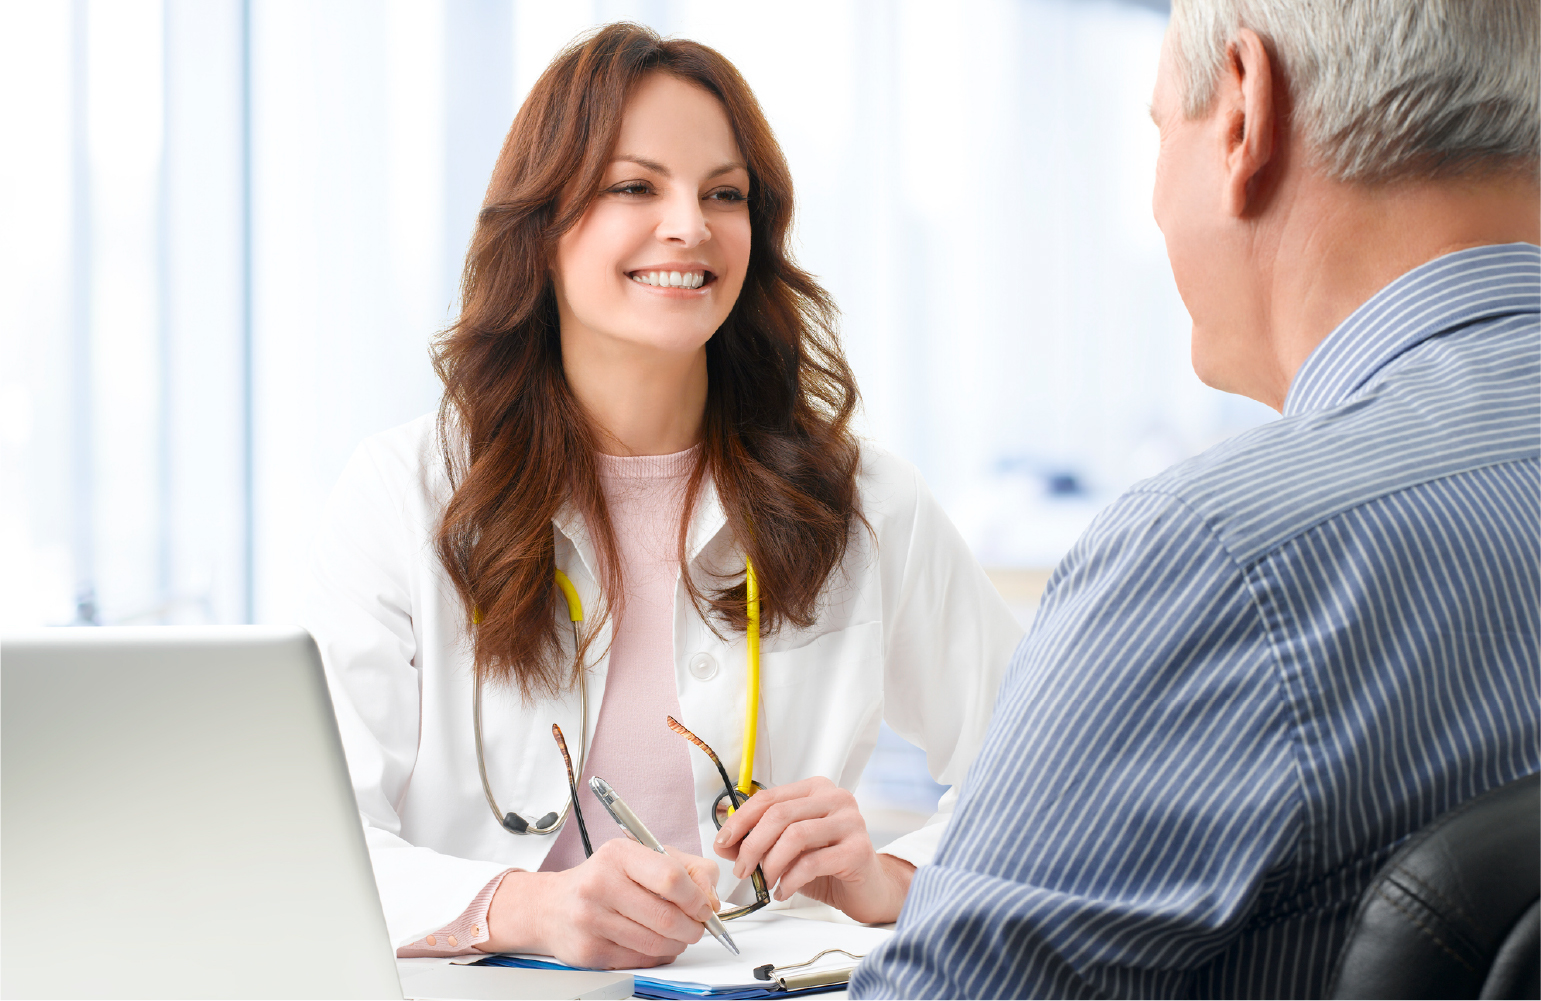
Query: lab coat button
{"points": [[703, 666]]}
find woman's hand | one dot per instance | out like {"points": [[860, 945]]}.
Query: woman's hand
{"points": [[809, 837], [626, 906]]}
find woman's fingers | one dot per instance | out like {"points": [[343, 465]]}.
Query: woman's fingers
{"points": [[601, 919], [628, 906], [623, 933], [822, 836], [809, 836], [660, 917], [745, 818], [774, 823], [833, 862], [667, 878], [781, 809], [702, 871]]}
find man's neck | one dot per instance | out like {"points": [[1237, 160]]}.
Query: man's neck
{"points": [[1338, 244]]}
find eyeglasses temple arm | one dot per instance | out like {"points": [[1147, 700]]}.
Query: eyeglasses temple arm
{"points": [[572, 787], [679, 728]]}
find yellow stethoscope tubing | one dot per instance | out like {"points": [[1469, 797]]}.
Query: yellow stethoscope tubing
{"points": [[752, 689], [574, 606], [574, 603]]}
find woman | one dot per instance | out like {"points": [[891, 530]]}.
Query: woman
{"points": [[643, 400]]}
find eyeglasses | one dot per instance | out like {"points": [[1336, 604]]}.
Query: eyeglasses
{"points": [[731, 794], [761, 891]]}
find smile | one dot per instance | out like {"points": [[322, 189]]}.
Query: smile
{"points": [[672, 279]]}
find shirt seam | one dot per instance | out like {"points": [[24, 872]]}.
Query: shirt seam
{"points": [[1244, 570], [1269, 551]]}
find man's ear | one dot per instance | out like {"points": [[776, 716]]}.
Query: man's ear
{"points": [[1249, 117]]}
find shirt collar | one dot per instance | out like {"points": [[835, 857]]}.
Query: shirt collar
{"points": [[1432, 299]]}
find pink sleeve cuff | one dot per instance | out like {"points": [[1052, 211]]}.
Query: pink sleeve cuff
{"points": [[462, 935]]}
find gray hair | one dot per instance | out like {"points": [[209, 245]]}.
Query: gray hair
{"points": [[1385, 89]]}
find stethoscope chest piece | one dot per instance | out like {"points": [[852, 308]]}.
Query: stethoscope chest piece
{"points": [[511, 822], [515, 824]]}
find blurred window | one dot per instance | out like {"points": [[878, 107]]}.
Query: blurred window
{"points": [[233, 226]]}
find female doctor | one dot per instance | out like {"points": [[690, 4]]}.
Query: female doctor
{"points": [[641, 471]]}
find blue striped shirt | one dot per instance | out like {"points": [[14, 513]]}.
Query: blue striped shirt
{"points": [[1259, 672]]}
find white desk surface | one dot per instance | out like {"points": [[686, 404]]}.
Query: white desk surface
{"points": [[798, 907]]}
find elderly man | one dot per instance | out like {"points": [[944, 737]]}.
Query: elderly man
{"points": [[1260, 671]]}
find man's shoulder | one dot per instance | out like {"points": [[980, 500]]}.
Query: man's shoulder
{"points": [[1428, 421]]}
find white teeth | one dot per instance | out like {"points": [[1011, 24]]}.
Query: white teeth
{"points": [[670, 279]]}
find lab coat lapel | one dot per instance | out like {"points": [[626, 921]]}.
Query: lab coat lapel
{"points": [[575, 556], [569, 524], [706, 521]]}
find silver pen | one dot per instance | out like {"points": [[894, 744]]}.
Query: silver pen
{"points": [[631, 824]]}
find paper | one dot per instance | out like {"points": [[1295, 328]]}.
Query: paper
{"points": [[765, 937], [762, 937]]}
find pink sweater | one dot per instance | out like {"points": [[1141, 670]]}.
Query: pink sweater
{"points": [[633, 748]]}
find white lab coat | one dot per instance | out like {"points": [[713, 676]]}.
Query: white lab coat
{"points": [[910, 631]]}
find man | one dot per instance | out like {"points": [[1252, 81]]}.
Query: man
{"points": [[1259, 672]]}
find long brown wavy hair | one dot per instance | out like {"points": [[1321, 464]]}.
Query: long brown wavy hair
{"points": [[517, 444]]}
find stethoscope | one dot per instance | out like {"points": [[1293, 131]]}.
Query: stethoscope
{"points": [[516, 824]]}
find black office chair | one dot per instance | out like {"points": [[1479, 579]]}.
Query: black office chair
{"points": [[1454, 913]]}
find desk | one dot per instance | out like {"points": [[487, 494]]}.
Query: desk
{"points": [[799, 908]]}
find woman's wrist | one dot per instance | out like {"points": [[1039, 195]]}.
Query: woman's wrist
{"points": [[514, 917], [877, 897], [898, 873]]}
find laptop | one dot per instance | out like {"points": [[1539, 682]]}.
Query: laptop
{"points": [[177, 821]]}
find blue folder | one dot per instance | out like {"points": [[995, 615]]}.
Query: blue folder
{"points": [[672, 990]]}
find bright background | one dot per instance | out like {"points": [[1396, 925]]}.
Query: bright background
{"points": [[229, 228]]}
